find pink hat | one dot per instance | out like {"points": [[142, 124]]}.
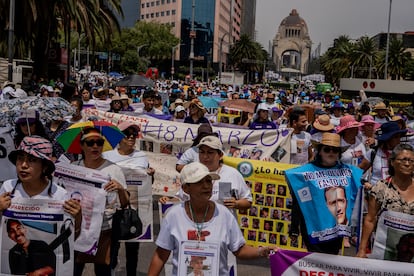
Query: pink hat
{"points": [[347, 122], [368, 119]]}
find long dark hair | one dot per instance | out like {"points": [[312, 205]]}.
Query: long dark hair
{"points": [[318, 158], [39, 130]]}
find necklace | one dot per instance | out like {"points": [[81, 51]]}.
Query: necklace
{"points": [[199, 226]]}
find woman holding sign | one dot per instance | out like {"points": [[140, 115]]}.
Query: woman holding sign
{"points": [[323, 193], [200, 226], [392, 197], [134, 164], [34, 167], [91, 143]]}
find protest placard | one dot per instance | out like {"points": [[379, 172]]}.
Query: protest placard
{"points": [[36, 236], [84, 184]]}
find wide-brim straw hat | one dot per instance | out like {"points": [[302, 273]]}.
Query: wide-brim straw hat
{"points": [[330, 139], [323, 123], [380, 106], [197, 103]]}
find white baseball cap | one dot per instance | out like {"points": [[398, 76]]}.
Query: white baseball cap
{"points": [[179, 109], [211, 142], [194, 172]]}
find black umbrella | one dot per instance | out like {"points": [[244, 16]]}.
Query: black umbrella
{"points": [[135, 80]]}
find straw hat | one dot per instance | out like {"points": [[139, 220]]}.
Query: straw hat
{"points": [[330, 139], [347, 122], [125, 97], [380, 106], [323, 123]]}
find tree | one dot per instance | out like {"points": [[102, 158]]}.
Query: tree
{"points": [[244, 54], [155, 40], [364, 57], [40, 22]]}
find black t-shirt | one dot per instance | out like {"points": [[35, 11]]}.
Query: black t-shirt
{"points": [[38, 255]]}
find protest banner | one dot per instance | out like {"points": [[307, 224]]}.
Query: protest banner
{"points": [[394, 239], [36, 237], [7, 169], [84, 185], [167, 140], [326, 198], [268, 220], [287, 263]]}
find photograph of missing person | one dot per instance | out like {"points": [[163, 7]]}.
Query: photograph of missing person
{"points": [[27, 256], [281, 190], [270, 189], [251, 235], [166, 148], [198, 266]]}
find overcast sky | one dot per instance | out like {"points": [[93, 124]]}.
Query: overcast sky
{"points": [[328, 19]]}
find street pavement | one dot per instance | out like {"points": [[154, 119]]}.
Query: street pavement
{"points": [[259, 267]]}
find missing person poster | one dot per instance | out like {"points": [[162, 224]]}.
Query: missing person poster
{"points": [[198, 258], [394, 238], [36, 238], [84, 185], [268, 220]]}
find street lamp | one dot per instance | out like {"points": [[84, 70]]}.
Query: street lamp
{"points": [[11, 40], [388, 43], [192, 36], [82, 35], [220, 54], [173, 49]]}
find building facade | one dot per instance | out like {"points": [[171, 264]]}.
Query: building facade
{"points": [[217, 24]]}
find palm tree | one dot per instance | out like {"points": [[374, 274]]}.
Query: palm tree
{"points": [[398, 58], [40, 22], [336, 63], [247, 55], [364, 56]]}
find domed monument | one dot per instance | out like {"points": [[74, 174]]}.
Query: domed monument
{"points": [[292, 46]]}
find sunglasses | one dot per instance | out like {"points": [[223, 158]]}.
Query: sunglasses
{"points": [[329, 149], [130, 134], [98, 142]]}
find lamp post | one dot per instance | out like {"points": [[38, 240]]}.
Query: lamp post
{"points": [[388, 43], [220, 54], [81, 36], [172, 59], [192, 36], [11, 41]]}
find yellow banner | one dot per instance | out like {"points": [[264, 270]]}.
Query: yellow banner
{"points": [[268, 220]]}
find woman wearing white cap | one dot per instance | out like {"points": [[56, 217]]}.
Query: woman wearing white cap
{"points": [[198, 222], [262, 120]]}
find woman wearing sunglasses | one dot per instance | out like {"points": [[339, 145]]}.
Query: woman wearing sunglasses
{"points": [[134, 164], [323, 193], [92, 143]]}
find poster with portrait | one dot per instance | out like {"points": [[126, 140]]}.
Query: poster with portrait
{"points": [[36, 237], [140, 194], [267, 222], [394, 238], [84, 185], [198, 258], [326, 198]]}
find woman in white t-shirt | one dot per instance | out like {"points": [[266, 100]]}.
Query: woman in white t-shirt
{"points": [[200, 222], [356, 153], [92, 146], [34, 168]]}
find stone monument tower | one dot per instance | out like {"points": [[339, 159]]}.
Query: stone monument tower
{"points": [[292, 46]]}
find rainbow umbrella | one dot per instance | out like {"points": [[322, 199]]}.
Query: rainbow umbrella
{"points": [[70, 139]]}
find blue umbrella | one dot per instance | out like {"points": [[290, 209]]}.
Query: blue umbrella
{"points": [[208, 102], [115, 74]]}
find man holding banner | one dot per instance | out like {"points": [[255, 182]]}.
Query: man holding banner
{"points": [[323, 226]]}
